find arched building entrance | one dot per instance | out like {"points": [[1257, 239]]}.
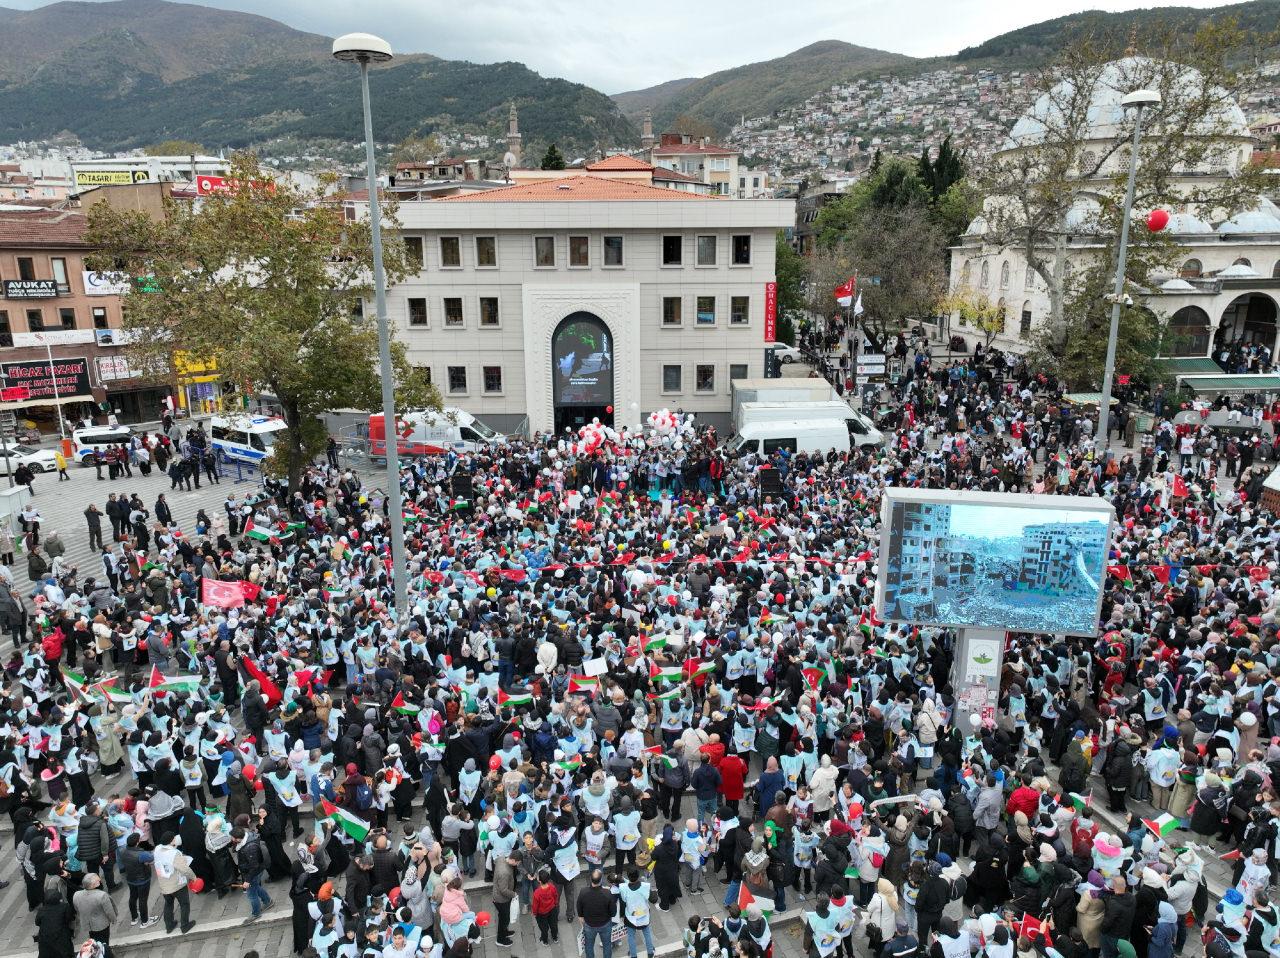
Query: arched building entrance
{"points": [[1248, 320], [1187, 333], [582, 366]]}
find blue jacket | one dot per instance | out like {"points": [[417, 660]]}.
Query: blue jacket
{"points": [[705, 782]]}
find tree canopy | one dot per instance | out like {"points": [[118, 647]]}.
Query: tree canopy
{"points": [[267, 281], [552, 160]]}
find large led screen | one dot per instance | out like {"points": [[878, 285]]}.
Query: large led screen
{"points": [[582, 352], [993, 561]]}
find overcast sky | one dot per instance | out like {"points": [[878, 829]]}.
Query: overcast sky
{"points": [[622, 46]]}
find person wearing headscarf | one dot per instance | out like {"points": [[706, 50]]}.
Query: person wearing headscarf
{"points": [[306, 882], [1162, 936], [55, 926], [666, 868]]}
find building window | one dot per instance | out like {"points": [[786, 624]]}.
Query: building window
{"points": [[671, 311], [964, 274], [489, 311], [739, 310], [60, 275], [67, 316], [986, 274], [579, 251], [457, 379], [1275, 270], [426, 373], [1004, 275], [705, 380], [413, 249], [1243, 261], [450, 252], [1029, 279], [486, 252], [417, 311], [706, 310], [613, 251], [493, 379], [720, 164], [544, 251], [1024, 325], [453, 311], [672, 250], [742, 250], [670, 379], [737, 371], [26, 268], [35, 320], [706, 251], [6, 331], [1191, 269]]}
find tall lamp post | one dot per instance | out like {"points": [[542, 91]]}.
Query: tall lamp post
{"points": [[364, 48], [1136, 101]]}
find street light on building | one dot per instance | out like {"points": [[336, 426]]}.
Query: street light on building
{"points": [[364, 49], [1137, 101]]}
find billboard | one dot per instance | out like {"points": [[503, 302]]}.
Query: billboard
{"points": [[72, 376], [582, 353], [999, 561], [105, 284], [30, 288], [111, 177], [770, 312]]}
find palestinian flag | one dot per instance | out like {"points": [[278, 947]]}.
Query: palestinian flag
{"points": [[586, 684], [1081, 802], [262, 535], [706, 668], [110, 690], [653, 644], [76, 682], [459, 505], [520, 698], [1121, 572], [673, 673], [1163, 826], [570, 765], [351, 824], [815, 677], [868, 621], [159, 682], [664, 696], [745, 898], [296, 527], [404, 708]]}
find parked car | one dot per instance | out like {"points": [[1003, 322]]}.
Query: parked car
{"points": [[38, 460], [788, 354]]}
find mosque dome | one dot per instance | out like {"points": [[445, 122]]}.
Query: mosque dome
{"points": [[1263, 218], [1106, 116]]}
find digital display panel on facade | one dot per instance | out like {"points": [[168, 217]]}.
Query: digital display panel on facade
{"points": [[582, 353]]}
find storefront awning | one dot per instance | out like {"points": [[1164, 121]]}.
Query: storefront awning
{"points": [[1184, 365], [1240, 383], [36, 403], [1087, 399]]}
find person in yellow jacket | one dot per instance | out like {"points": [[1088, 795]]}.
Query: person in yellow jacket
{"points": [[61, 461]]}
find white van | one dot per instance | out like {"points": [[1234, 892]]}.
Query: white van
{"points": [[432, 433], [83, 441], [244, 438], [815, 436], [862, 431]]}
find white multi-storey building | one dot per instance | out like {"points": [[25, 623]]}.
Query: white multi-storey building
{"points": [[594, 294]]}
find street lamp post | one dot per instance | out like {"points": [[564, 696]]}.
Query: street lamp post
{"points": [[363, 49], [1136, 100]]}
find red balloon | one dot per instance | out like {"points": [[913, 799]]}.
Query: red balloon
{"points": [[196, 885], [672, 600], [1157, 220], [622, 483], [495, 763], [483, 918], [393, 896], [251, 772], [780, 598], [609, 409], [855, 809], [259, 787]]}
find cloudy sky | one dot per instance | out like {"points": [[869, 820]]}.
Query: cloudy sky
{"points": [[622, 46]]}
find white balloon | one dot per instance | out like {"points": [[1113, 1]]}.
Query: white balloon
{"points": [[975, 719]]}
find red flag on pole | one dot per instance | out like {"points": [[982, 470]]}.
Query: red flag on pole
{"points": [[224, 595], [270, 691]]}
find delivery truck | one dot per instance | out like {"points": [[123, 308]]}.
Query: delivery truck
{"points": [[813, 389], [429, 433]]}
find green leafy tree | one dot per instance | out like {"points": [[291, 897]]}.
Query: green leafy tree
{"points": [[942, 172], [790, 270], [268, 282], [552, 160], [416, 149]]}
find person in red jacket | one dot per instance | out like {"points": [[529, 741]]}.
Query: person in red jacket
{"points": [[545, 906], [714, 750], [1024, 799], [733, 775]]}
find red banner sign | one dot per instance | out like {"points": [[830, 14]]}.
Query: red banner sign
{"points": [[206, 185], [770, 312], [15, 394]]}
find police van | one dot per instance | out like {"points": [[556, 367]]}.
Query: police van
{"points": [[83, 441], [248, 439]]}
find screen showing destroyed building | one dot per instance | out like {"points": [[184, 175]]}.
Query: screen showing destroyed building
{"points": [[990, 565]]}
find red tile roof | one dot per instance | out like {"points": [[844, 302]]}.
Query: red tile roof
{"points": [[662, 173], [620, 163], [570, 188], [42, 228]]}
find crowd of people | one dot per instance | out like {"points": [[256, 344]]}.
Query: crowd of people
{"points": [[627, 677]]}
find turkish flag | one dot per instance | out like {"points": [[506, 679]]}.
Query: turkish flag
{"points": [[270, 691], [249, 590], [224, 595]]}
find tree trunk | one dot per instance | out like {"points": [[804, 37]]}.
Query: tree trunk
{"points": [[297, 455]]}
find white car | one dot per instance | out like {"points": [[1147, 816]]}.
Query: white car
{"points": [[38, 460], [788, 354]]}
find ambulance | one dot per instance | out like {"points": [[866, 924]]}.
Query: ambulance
{"points": [[430, 433]]}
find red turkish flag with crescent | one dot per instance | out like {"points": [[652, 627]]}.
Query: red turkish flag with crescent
{"points": [[224, 595]]}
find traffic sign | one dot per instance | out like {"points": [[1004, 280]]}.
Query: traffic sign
{"points": [[15, 394]]}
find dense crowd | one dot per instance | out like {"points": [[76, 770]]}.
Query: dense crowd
{"points": [[628, 677]]}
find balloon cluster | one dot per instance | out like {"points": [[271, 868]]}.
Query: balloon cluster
{"points": [[664, 422], [593, 436]]}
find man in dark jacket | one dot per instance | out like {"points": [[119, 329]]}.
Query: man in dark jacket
{"points": [[252, 864], [1119, 771], [1117, 917], [932, 900], [706, 787], [672, 780], [94, 844], [253, 708]]}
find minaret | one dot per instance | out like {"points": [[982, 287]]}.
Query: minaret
{"points": [[646, 130], [514, 139]]}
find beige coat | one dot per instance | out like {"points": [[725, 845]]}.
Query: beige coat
{"points": [[1089, 913], [182, 874]]}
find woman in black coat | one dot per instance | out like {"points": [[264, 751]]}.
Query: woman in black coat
{"points": [[666, 868], [55, 923], [306, 882]]}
